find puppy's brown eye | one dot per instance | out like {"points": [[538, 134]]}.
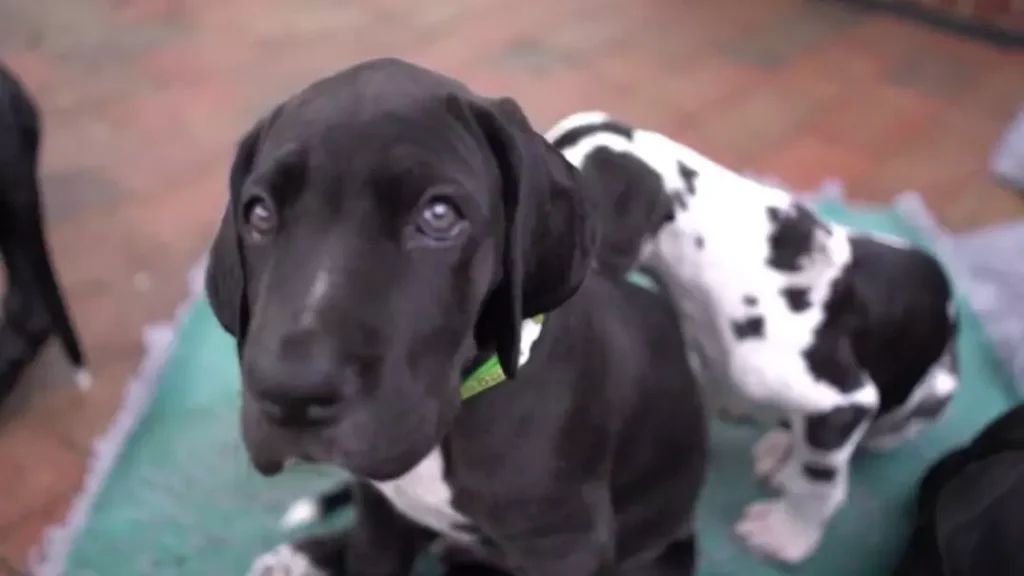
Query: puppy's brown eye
{"points": [[440, 220], [260, 219]]}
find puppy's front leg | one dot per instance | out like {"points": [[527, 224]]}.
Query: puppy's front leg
{"points": [[813, 479], [380, 543], [564, 532]]}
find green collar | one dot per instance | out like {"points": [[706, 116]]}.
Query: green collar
{"points": [[490, 374]]}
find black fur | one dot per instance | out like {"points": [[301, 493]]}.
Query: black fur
{"points": [[689, 177], [901, 324], [574, 135], [631, 205], [797, 299], [831, 430], [33, 307], [586, 462], [820, 472], [968, 507], [793, 236], [747, 328]]}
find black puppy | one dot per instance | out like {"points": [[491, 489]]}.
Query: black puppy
{"points": [[33, 306], [969, 505], [388, 233]]}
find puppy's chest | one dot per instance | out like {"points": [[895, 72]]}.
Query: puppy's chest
{"points": [[424, 496]]}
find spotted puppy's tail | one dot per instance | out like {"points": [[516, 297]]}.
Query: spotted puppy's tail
{"points": [[312, 509]]}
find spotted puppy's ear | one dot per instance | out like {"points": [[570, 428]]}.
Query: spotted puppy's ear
{"points": [[551, 232], [225, 271]]}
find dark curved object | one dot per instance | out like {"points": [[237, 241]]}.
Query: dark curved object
{"points": [[969, 508], [1003, 37], [33, 306]]}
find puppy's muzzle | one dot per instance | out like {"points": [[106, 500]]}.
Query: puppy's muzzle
{"points": [[299, 386]]}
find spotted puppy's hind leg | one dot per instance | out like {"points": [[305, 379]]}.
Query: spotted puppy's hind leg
{"points": [[925, 405], [812, 478]]}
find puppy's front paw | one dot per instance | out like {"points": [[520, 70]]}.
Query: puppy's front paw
{"points": [[284, 560], [771, 530], [770, 454]]}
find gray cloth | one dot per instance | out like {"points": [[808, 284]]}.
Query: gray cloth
{"points": [[986, 266], [1007, 161]]}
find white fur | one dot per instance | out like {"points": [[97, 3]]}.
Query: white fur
{"points": [[83, 379], [728, 214], [284, 560], [770, 453], [300, 513], [321, 281], [422, 494], [895, 428]]}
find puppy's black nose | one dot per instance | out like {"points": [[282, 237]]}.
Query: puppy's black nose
{"points": [[299, 386]]}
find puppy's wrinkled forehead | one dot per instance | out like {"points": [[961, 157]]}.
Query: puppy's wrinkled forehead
{"points": [[399, 133]]}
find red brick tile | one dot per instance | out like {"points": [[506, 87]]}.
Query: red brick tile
{"points": [[168, 136], [74, 416], [957, 144], [806, 161], [202, 56], [19, 541], [702, 85], [876, 119], [837, 62], [38, 467], [33, 69], [998, 92], [744, 128], [134, 12], [974, 201], [480, 36]]}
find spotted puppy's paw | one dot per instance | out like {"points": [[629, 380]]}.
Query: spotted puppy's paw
{"points": [[284, 560], [771, 530], [771, 454]]}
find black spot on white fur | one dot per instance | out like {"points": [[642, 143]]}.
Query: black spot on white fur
{"points": [[750, 300], [678, 200], [575, 135], [797, 299], [689, 176], [748, 328], [698, 241], [792, 236], [831, 357], [831, 430], [820, 472]]}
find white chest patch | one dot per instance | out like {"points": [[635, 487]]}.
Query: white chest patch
{"points": [[424, 496]]}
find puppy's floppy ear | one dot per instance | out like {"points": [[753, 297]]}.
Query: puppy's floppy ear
{"points": [[225, 270], [551, 232]]}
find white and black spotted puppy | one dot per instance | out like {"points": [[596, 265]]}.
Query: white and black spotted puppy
{"points": [[847, 337]]}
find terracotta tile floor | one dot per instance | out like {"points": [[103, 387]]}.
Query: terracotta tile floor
{"points": [[143, 100]]}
